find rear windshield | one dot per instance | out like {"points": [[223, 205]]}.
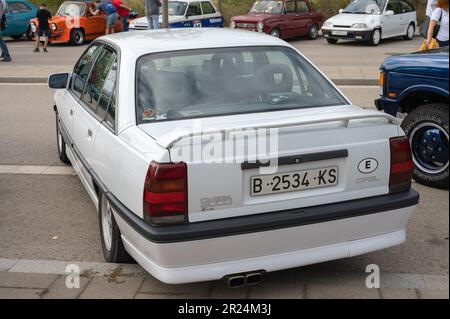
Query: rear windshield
{"points": [[228, 81]]}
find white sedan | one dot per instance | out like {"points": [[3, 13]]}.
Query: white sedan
{"points": [[372, 21], [214, 153]]}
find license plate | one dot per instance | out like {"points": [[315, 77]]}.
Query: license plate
{"points": [[294, 181], [339, 33]]}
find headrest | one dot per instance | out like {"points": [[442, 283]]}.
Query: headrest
{"points": [[274, 78]]}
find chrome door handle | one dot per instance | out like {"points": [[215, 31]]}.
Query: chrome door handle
{"points": [[89, 133], [71, 112]]}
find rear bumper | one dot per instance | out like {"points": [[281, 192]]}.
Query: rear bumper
{"points": [[273, 247]]}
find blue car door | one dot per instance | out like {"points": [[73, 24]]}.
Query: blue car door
{"points": [[18, 17], [211, 18], [194, 15]]}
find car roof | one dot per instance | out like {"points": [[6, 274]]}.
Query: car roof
{"points": [[137, 43]]}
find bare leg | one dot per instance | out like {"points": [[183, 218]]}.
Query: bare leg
{"points": [[46, 43]]}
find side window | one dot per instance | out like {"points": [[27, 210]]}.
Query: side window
{"points": [[194, 9], [18, 7], [107, 97], [394, 5], [406, 7], [302, 7], [101, 83], [290, 7], [82, 69], [208, 8]]}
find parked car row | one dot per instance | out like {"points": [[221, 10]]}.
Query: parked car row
{"points": [[362, 20]]}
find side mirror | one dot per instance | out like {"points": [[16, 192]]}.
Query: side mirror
{"points": [[341, 10], [58, 81], [389, 13]]}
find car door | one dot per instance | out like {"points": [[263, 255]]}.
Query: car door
{"points": [[69, 100], [304, 18], [17, 15], [210, 16], [408, 15], [289, 19], [194, 15], [92, 110], [391, 23], [94, 26]]}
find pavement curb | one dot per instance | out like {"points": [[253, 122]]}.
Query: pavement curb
{"points": [[89, 269], [43, 80], [22, 80]]}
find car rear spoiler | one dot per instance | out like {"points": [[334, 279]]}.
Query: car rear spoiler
{"points": [[170, 141]]}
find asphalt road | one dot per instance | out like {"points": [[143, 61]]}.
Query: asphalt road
{"points": [[343, 54], [51, 217]]}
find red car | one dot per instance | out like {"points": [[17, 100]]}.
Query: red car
{"points": [[282, 18]]}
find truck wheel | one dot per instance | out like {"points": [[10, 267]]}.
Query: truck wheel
{"points": [[427, 129], [313, 32], [77, 37], [61, 143], [111, 239], [332, 41], [375, 37]]}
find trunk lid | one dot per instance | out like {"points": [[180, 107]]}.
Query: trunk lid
{"points": [[353, 158]]}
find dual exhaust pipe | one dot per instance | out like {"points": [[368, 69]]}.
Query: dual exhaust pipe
{"points": [[246, 279]]}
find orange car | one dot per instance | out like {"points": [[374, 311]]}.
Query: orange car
{"points": [[74, 24]]}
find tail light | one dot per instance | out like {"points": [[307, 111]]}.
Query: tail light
{"points": [[401, 165], [165, 194]]}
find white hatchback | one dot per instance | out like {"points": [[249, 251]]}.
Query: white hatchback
{"points": [[372, 21], [214, 153]]}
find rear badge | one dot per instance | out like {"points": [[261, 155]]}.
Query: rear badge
{"points": [[368, 165], [214, 202]]}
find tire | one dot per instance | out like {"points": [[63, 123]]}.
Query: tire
{"points": [[61, 143], [17, 37], [110, 237], [29, 34], [410, 32], [375, 38], [275, 32], [332, 41], [313, 32], [77, 37], [427, 128]]}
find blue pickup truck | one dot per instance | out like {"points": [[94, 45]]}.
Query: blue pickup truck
{"points": [[418, 85]]}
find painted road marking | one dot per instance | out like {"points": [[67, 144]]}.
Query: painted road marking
{"points": [[36, 170]]}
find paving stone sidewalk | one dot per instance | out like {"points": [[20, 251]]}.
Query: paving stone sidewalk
{"points": [[111, 281]]}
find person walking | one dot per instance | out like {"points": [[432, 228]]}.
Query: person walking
{"points": [[440, 23], [5, 53], [110, 11], [123, 12], [152, 13], [43, 15]]}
